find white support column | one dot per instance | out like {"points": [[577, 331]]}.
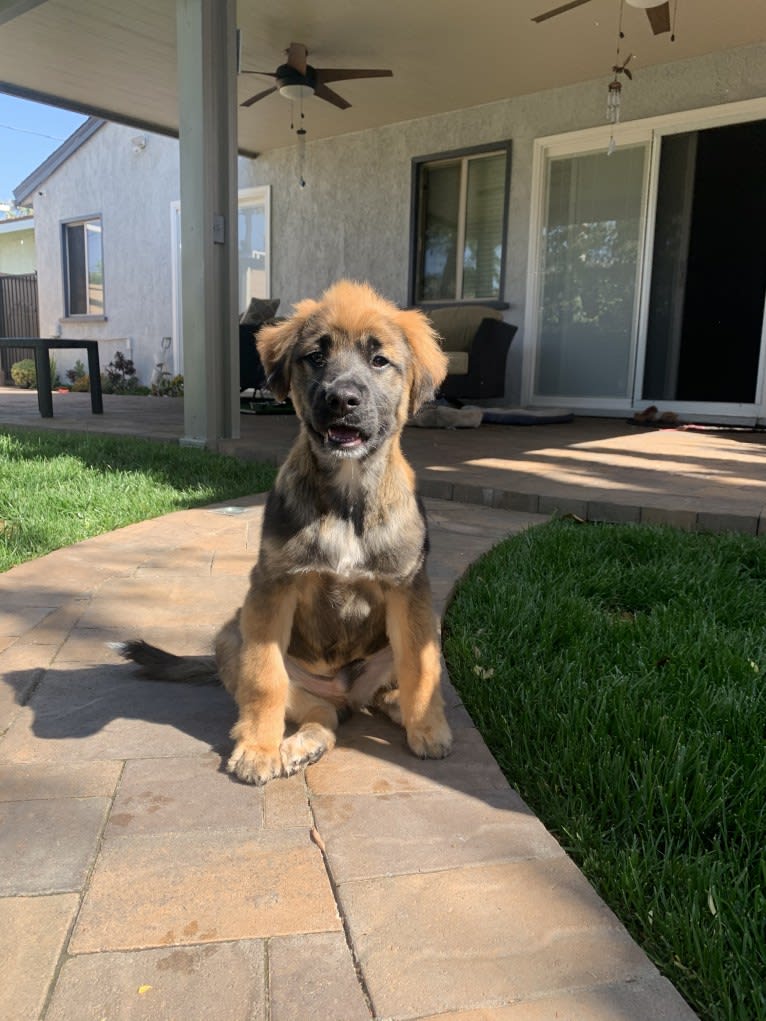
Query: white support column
{"points": [[206, 36]]}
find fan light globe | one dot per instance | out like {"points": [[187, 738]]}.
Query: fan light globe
{"points": [[296, 91], [644, 4]]}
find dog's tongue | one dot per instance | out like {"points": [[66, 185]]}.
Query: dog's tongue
{"points": [[343, 435]]}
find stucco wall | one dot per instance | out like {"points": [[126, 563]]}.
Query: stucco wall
{"points": [[352, 218], [132, 192]]}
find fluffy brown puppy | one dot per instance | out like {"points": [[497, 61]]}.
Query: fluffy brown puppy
{"points": [[338, 615]]}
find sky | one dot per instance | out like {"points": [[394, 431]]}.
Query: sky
{"points": [[29, 133]]}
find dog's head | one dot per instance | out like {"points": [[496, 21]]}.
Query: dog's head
{"points": [[355, 366]]}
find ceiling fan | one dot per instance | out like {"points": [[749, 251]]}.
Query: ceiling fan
{"points": [[297, 79], [657, 11]]}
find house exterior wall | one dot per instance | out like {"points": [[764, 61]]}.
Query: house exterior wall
{"points": [[131, 191], [17, 247], [353, 216]]}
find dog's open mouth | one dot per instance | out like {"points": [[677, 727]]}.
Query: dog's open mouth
{"points": [[344, 437]]}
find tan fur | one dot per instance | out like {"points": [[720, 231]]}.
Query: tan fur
{"points": [[339, 607]]}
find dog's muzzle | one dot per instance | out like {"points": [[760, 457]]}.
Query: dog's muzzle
{"points": [[341, 417]]}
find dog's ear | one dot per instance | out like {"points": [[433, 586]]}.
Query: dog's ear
{"points": [[429, 362], [275, 345]]}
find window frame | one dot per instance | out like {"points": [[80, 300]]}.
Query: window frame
{"points": [[77, 221], [464, 156]]}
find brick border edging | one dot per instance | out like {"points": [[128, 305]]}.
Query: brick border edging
{"points": [[594, 510]]}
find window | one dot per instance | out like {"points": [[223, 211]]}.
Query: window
{"points": [[461, 217], [83, 268]]}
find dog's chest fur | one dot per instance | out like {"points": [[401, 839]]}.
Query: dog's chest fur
{"points": [[351, 526]]}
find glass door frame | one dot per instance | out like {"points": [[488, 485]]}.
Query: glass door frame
{"points": [[649, 131]]}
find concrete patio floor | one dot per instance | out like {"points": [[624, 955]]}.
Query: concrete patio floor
{"points": [[139, 881]]}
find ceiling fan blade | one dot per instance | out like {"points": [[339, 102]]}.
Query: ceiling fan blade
{"points": [[337, 74], [560, 10], [659, 18], [266, 74], [322, 92], [260, 95], [297, 55]]}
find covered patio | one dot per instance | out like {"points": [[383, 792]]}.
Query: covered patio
{"points": [[599, 469], [173, 67]]}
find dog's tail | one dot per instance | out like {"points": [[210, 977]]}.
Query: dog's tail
{"points": [[158, 665]]}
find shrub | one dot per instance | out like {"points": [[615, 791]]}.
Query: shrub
{"points": [[78, 372], [23, 374], [81, 384]]}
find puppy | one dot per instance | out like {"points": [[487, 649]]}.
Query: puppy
{"points": [[338, 615]]}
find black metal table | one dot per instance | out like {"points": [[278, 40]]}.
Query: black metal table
{"points": [[42, 347]]}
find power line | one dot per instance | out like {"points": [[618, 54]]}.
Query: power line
{"points": [[26, 131]]}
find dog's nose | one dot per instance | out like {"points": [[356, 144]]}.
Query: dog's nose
{"points": [[343, 397]]}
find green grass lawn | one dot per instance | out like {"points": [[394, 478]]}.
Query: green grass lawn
{"points": [[617, 674], [59, 488]]}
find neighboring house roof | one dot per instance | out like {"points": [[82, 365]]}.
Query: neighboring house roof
{"points": [[17, 223], [24, 193]]}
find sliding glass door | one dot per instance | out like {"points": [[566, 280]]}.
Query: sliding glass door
{"points": [[589, 263], [650, 282]]}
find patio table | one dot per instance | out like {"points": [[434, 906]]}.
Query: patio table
{"points": [[42, 346]]}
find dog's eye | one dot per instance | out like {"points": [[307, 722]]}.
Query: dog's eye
{"points": [[379, 361], [316, 358]]}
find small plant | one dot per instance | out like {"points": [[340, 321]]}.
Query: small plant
{"points": [[168, 386], [81, 385], [120, 376], [23, 374]]}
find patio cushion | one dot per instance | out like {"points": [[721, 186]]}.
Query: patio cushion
{"points": [[457, 362], [457, 324]]}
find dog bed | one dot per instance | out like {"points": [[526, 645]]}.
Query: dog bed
{"points": [[526, 416]]}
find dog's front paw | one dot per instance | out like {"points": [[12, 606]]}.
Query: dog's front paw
{"points": [[254, 764], [430, 740]]}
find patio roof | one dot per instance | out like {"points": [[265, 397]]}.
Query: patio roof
{"points": [[118, 61]]}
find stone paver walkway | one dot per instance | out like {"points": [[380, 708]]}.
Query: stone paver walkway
{"points": [[139, 881]]}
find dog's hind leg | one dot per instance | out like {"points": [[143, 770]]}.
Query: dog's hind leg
{"points": [[317, 722]]}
